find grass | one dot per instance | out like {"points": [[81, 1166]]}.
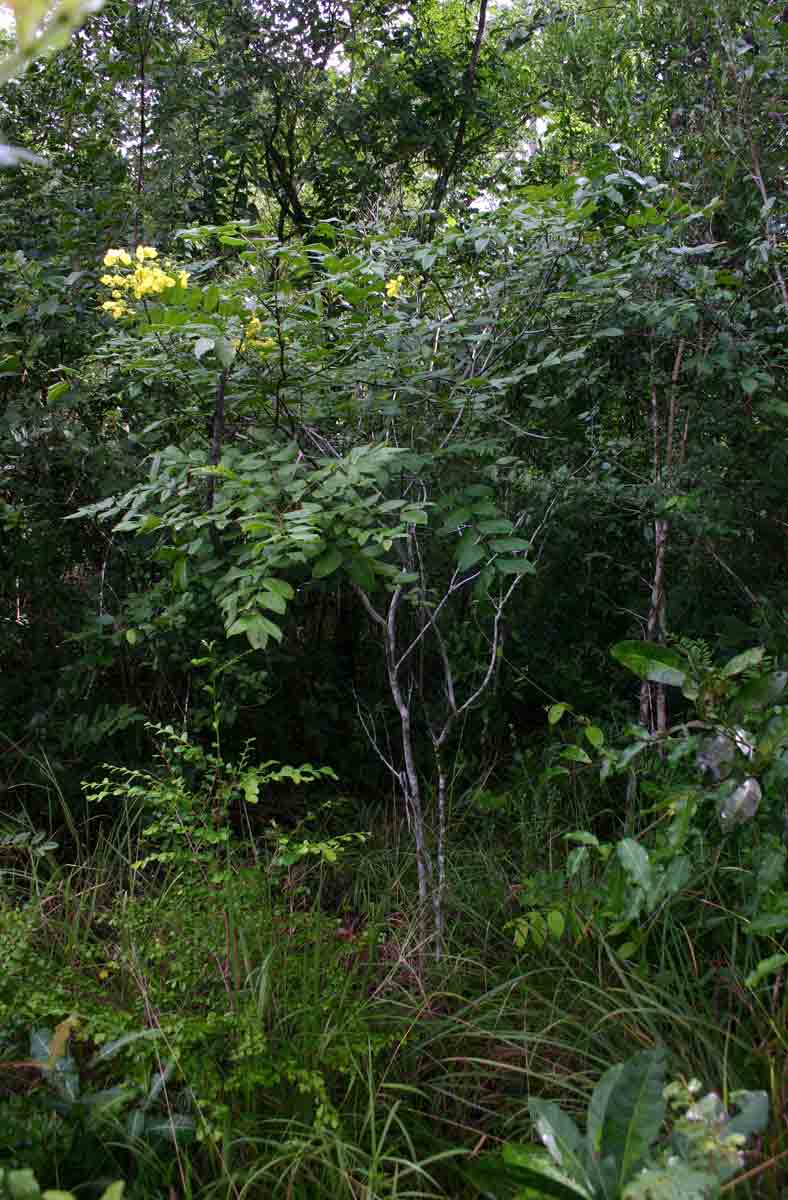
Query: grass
{"points": [[303, 1032]]}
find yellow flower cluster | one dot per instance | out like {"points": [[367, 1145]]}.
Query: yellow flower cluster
{"points": [[146, 279], [394, 286], [249, 341]]}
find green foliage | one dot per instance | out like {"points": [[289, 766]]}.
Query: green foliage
{"points": [[429, 352], [623, 1154], [21, 1184]]}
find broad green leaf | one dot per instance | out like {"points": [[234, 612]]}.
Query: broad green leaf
{"points": [[508, 545], [635, 861], [259, 629], [575, 754], [114, 1191], [753, 1114], [766, 968], [634, 1113], [280, 586], [748, 658], [674, 1182], [595, 736], [535, 1169], [110, 1049], [360, 571], [327, 563], [22, 1184], [224, 351], [469, 552], [273, 601], [597, 1109], [561, 1138], [460, 516], [57, 390], [761, 692], [497, 525], [659, 664], [515, 566], [555, 713], [583, 837], [556, 923]]}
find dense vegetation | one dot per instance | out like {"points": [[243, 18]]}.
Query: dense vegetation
{"points": [[393, 511]]}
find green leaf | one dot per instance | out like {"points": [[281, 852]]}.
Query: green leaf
{"points": [[57, 390], [575, 754], [224, 351], [110, 1049], [532, 1167], [280, 586], [114, 1191], [259, 630], [595, 736], [753, 1114], [636, 862], [556, 923], [22, 1185], [597, 1110], [761, 692], [498, 525], [508, 545], [653, 662], [748, 658], [469, 551], [676, 1182], [273, 601], [327, 563], [555, 713], [766, 967], [561, 1138], [360, 571], [515, 566], [634, 1113], [460, 516], [250, 784]]}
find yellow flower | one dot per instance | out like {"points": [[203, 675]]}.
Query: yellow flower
{"points": [[143, 252], [394, 286], [183, 278], [115, 308], [117, 256], [107, 280]]}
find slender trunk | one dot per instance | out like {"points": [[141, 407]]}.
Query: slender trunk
{"points": [[142, 36], [771, 236], [653, 703], [441, 856], [217, 432], [217, 441]]}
